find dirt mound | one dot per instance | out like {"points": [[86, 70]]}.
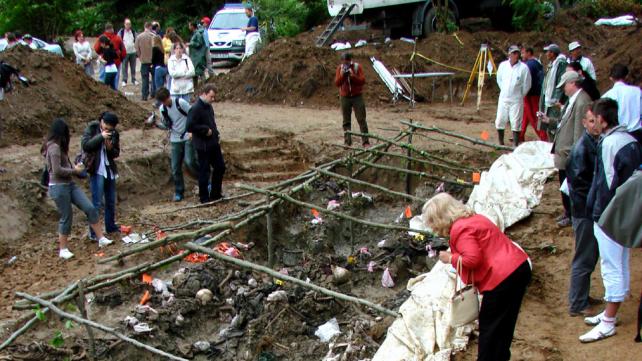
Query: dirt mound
{"points": [[293, 71], [59, 88]]}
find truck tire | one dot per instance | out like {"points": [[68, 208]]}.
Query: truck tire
{"points": [[430, 20]]}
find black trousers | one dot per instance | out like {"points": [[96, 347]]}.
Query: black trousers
{"points": [[584, 261], [211, 157], [498, 315], [566, 200]]}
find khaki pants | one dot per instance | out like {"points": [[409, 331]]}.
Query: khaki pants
{"points": [[359, 106]]}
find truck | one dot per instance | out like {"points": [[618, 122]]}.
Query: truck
{"points": [[418, 17]]}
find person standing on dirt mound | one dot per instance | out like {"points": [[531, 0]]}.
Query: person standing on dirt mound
{"points": [[575, 52], [82, 51], [119, 48], [552, 97], [64, 191], [144, 48], [629, 100], [489, 260], [569, 131], [181, 72], [514, 80], [618, 156], [108, 61], [197, 50], [174, 119], [579, 174], [129, 62], [100, 144], [531, 100], [350, 79], [205, 137], [252, 34]]}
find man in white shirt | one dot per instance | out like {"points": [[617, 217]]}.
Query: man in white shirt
{"points": [[629, 101], [514, 80], [575, 52], [129, 38]]}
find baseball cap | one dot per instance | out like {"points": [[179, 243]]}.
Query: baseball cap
{"points": [[574, 45], [27, 36], [568, 76], [513, 48], [554, 48], [206, 20]]}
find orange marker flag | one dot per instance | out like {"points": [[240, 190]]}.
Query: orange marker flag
{"points": [[315, 213], [484, 135], [147, 279], [408, 212], [476, 177], [146, 297]]}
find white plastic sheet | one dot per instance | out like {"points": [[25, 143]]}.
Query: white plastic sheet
{"points": [[514, 184], [626, 20]]}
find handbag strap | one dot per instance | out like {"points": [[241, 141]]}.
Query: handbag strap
{"points": [[459, 268]]}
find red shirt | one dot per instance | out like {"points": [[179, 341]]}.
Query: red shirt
{"points": [[354, 86], [485, 251]]}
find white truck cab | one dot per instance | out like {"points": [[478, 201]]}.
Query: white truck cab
{"points": [[227, 40]]}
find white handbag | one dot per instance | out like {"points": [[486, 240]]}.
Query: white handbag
{"points": [[464, 305]]}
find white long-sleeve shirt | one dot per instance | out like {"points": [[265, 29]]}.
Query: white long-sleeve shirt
{"points": [[629, 100], [514, 81], [182, 71], [82, 51], [587, 66]]}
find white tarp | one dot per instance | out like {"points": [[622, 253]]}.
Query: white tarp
{"points": [[626, 20], [514, 184], [387, 78], [423, 333]]}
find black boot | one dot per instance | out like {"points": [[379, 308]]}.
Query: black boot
{"points": [[515, 139], [347, 138], [500, 135]]}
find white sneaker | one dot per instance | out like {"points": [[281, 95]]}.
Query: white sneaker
{"points": [[124, 84], [599, 332], [104, 242], [65, 253], [597, 319]]}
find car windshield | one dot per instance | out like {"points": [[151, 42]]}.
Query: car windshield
{"points": [[229, 21]]}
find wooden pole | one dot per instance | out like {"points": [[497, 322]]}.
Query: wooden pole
{"points": [[412, 80], [270, 234], [458, 182], [98, 326], [411, 129], [34, 319], [461, 136], [83, 312], [278, 275], [169, 239], [447, 141], [327, 211], [350, 202], [371, 185]]}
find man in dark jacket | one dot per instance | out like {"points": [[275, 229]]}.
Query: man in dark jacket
{"points": [[101, 146], [579, 175], [618, 156], [531, 100], [205, 138], [588, 84]]}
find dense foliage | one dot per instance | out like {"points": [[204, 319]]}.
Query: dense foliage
{"points": [[51, 18]]}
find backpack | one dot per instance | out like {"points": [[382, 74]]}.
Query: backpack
{"points": [[168, 121]]}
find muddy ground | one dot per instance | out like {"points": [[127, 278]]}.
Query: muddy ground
{"points": [[265, 143]]}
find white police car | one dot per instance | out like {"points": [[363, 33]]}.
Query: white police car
{"points": [[227, 40]]}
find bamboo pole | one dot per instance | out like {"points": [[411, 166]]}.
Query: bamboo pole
{"points": [[403, 145], [374, 157], [414, 159], [411, 130], [446, 141], [34, 319], [98, 326], [327, 211], [460, 183], [270, 235], [371, 185], [169, 239], [461, 136], [350, 224], [275, 274]]}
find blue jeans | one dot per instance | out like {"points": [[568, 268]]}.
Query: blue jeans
{"points": [[147, 72], [160, 76], [110, 79], [103, 196], [64, 195], [101, 75]]}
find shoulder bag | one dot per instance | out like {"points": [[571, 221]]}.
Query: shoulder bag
{"points": [[465, 302]]}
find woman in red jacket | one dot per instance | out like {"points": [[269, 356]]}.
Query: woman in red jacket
{"points": [[500, 269]]}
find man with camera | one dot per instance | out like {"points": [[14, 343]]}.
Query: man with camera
{"points": [[350, 79], [101, 146]]}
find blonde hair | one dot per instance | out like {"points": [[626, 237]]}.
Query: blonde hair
{"points": [[441, 211]]}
